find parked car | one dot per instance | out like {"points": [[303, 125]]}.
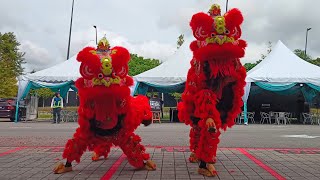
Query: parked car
{"points": [[8, 108]]}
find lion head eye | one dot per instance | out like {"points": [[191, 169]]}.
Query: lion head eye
{"points": [[227, 31], [100, 75]]}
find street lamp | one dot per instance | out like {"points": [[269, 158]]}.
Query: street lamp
{"points": [[305, 49], [70, 30], [96, 33], [227, 5]]}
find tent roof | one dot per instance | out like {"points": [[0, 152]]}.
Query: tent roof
{"points": [[171, 72], [283, 66], [64, 71]]}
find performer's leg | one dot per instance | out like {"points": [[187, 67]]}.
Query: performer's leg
{"points": [[101, 150], [207, 151], [74, 148], [135, 152], [194, 140]]}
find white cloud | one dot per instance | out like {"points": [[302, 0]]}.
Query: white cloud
{"points": [[147, 49], [36, 57]]}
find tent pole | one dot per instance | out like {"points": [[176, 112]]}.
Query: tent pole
{"points": [[245, 113], [17, 111]]}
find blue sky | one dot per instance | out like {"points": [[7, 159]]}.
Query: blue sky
{"points": [[149, 27]]}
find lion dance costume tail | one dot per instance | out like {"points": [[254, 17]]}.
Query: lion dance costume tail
{"points": [[215, 83], [108, 115]]}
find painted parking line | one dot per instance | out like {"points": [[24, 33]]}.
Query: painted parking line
{"points": [[113, 168], [12, 151], [245, 151], [261, 164]]}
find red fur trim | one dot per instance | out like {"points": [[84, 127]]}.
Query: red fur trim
{"points": [[208, 143], [135, 151], [238, 90], [205, 106], [242, 44], [215, 51], [194, 45], [120, 58], [203, 21], [129, 81], [92, 61], [139, 110], [103, 149], [194, 138], [233, 18]]}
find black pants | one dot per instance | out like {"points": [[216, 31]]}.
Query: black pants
{"points": [[56, 112]]}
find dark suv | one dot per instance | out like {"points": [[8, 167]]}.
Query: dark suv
{"points": [[8, 108]]}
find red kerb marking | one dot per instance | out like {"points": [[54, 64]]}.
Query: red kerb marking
{"points": [[12, 151], [261, 164], [114, 168]]}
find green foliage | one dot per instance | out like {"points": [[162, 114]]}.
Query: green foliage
{"points": [[8, 85], [9, 52], [315, 61], [11, 60], [44, 93], [177, 96], [180, 41], [138, 64], [302, 55], [307, 57], [249, 66]]}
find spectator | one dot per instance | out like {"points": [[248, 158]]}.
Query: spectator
{"points": [[56, 105]]}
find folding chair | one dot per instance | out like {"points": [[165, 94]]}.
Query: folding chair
{"points": [[251, 117], [265, 117], [156, 115]]}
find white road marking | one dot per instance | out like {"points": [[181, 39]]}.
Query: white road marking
{"points": [[301, 136], [21, 127]]}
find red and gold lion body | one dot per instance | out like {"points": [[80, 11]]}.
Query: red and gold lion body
{"points": [[215, 83], [108, 114]]}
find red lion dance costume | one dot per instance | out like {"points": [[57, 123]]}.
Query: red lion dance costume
{"points": [[215, 83], [108, 115]]}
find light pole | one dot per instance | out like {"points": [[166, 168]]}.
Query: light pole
{"points": [[70, 30], [96, 34], [227, 5], [305, 48]]}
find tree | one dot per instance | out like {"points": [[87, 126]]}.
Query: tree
{"points": [[249, 66], [315, 61], [138, 64], [268, 51], [44, 93], [11, 60], [307, 57], [302, 55], [177, 96], [180, 41], [9, 52]]}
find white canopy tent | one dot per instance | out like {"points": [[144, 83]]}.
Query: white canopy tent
{"points": [[282, 66], [171, 74], [281, 70]]}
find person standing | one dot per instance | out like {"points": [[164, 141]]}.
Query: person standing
{"points": [[56, 105]]}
